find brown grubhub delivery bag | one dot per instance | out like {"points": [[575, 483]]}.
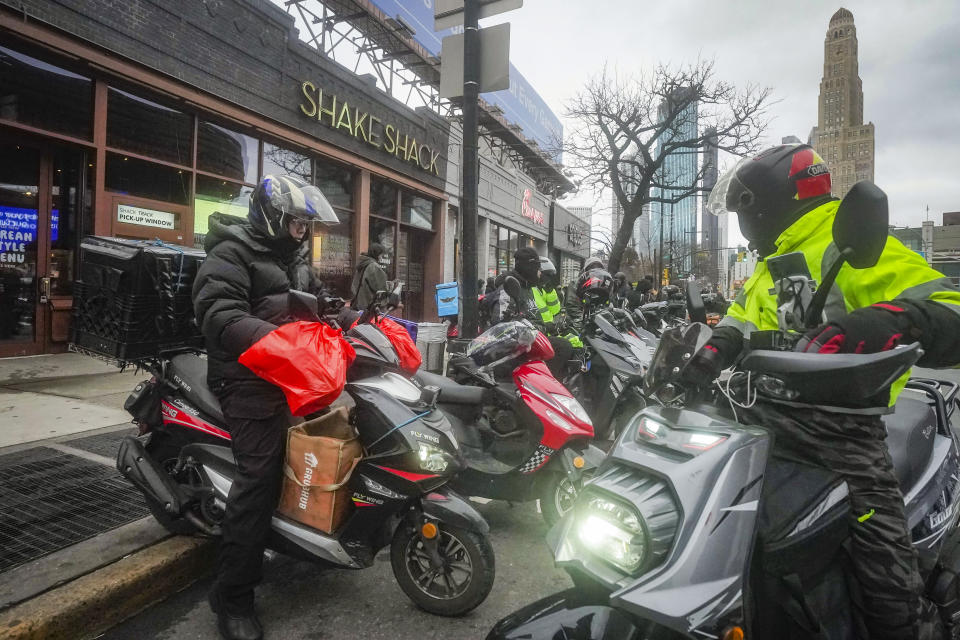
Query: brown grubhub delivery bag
{"points": [[321, 456]]}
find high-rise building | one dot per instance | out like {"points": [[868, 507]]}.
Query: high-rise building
{"points": [[678, 175], [841, 137], [709, 223]]}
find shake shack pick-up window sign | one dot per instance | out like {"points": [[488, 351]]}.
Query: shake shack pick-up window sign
{"points": [[338, 114], [145, 217]]}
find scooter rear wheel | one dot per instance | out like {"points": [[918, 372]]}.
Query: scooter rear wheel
{"points": [[448, 575]]}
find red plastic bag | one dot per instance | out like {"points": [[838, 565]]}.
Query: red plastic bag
{"points": [[307, 360], [403, 344]]}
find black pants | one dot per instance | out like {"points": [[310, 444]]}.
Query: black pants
{"points": [[883, 557], [258, 419]]}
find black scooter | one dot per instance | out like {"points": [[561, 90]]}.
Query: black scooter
{"points": [[439, 549]]}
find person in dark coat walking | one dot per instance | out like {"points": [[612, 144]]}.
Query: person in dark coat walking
{"points": [[242, 293], [368, 278]]}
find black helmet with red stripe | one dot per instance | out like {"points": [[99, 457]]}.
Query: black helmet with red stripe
{"points": [[593, 287], [772, 191]]}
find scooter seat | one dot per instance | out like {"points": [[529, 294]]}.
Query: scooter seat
{"points": [[189, 373], [910, 434], [450, 391]]}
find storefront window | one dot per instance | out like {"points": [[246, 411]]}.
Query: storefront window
{"points": [[136, 177], [333, 255], [45, 96], [227, 153], [19, 202], [383, 199], [148, 128], [336, 183], [283, 162], [416, 211], [215, 195], [385, 233]]}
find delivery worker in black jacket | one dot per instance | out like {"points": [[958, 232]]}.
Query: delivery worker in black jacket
{"points": [[242, 293]]}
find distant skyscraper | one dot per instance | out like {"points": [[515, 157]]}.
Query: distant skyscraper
{"points": [[841, 137], [679, 171], [709, 223]]}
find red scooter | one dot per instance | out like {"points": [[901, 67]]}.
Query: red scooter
{"points": [[522, 434]]}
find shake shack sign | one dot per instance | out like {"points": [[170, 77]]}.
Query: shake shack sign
{"points": [[354, 121]]}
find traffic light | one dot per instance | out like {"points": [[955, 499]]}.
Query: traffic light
{"points": [[666, 275]]}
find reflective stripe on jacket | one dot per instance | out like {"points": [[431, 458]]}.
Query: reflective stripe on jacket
{"points": [[543, 304], [900, 273]]}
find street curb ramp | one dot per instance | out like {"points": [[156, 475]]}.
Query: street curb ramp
{"points": [[98, 601]]}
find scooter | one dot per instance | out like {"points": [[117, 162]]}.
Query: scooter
{"points": [[663, 542], [608, 376], [439, 549], [522, 433]]}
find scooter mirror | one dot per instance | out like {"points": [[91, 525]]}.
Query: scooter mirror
{"points": [[698, 313], [860, 226], [304, 305], [512, 286]]}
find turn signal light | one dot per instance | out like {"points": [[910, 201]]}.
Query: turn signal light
{"points": [[578, 462], [429, 531], [733, 633]]}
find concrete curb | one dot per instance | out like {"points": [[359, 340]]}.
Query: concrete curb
{"points": [[91, 604]]}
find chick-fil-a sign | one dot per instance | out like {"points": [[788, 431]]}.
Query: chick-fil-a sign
{"points": [[527, 209]]}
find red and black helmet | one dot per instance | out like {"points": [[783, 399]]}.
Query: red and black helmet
{"points": [[772, 191], [593, 287]]}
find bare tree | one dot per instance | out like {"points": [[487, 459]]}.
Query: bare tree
{"points": [[630, 126]]}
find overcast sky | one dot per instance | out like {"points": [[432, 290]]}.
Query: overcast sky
{"points": [[909, 64]]}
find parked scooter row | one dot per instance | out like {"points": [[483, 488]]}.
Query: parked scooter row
{"points": [[663, 543]]}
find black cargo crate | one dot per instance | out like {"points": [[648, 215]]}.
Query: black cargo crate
{"points": [[131, 351], [138, 267]]}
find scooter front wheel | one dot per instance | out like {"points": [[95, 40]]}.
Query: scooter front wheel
{"points": [[557, 497], [448, 574]]}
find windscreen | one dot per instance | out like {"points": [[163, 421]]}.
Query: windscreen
{"points": [[676, 347]]}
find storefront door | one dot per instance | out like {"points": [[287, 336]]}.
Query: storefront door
{"points": [[41, 204]]}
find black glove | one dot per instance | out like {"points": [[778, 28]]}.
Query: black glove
{"points": [[704, 367], [879, 327]]}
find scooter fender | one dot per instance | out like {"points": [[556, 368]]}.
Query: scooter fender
{"points": [[567, 614], [446, 506], [592, 457]]}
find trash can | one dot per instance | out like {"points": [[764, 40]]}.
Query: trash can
{"points": [[432, 342]]}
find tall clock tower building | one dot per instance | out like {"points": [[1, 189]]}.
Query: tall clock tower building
{"points": [[841, 137]]}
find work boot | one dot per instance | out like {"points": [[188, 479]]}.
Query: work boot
{"points": [[232, 626]]}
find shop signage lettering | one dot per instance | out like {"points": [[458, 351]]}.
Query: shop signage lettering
{"points": [[575, 234], [18, 229], [527, 209], [145, 217], [330, 110]]}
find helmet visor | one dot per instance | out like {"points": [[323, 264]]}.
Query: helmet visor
{"points": [[727, 193], [315, 207]]}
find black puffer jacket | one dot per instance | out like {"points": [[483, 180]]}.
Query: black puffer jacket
{"points": [[241, 293]]}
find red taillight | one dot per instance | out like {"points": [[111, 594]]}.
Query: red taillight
{"points": [[541, 349]]}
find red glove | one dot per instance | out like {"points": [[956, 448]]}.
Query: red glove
{"points": [[879, 327]]}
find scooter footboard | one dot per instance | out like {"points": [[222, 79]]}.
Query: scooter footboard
{"points": [[137, 466], [555, 616]]}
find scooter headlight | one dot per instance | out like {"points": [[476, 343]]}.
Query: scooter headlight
{"points": [[613, 532], [432, 458], [573, 407]]}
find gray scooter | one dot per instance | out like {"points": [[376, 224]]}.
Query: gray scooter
{"points": [[663, 542]]}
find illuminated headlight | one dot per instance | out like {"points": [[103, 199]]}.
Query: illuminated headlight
{"points": [[686, 441], [572, 406], [614, 533], [432, 458]]}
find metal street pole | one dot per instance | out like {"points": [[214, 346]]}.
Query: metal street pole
{"points": [[468, 206]]}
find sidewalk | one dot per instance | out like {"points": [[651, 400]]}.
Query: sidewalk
{"points": [[79, 551]]}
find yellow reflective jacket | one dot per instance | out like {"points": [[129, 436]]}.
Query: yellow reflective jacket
{"points": [[900, 273]]}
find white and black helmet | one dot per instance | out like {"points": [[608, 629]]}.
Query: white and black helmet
{"points": [[279, 199]]}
